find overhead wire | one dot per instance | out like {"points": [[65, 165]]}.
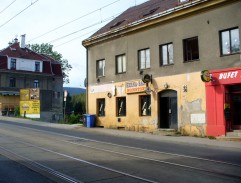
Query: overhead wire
{"points": [[32, 3], [67, 35], [7, 6], [87, 14]]}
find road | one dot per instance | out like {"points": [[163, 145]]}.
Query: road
{"points": [[66, 154]]}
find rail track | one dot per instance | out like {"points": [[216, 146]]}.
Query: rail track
{"points": [[99, 156]]}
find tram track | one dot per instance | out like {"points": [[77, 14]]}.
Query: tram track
{"points": [[83, 142]]}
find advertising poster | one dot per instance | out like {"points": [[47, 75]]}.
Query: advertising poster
{"points": [[30, 103]]}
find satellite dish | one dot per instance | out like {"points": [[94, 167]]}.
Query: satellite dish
{"points": [[147, 78]]}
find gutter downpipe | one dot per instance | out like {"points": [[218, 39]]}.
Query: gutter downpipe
{"points": [[87, 82]]}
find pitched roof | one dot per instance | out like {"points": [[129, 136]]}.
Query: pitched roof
{"points": [[139, 12], [50, 66]]}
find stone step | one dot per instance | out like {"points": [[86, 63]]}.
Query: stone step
{"points": [[166, 132], [235, 133]]}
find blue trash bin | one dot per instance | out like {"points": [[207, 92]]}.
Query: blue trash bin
{"points": [[89, 120]]}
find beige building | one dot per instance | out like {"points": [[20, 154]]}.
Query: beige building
{"points": [[143, 68]]}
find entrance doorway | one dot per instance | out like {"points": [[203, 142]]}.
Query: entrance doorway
{"points": [[235, 106], [168, 109]]}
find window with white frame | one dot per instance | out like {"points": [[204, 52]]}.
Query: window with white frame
{"points": [[120, 64], [144, 60], [100, 68], [37, 66], [166, 54], [36, 83], [13, 63], [145, 105], [230, 42]]}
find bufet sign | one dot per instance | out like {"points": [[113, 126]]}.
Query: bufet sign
{"points": [[227, 76]]}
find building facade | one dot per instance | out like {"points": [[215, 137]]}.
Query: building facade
{"points": [[22, 68], [144, 67]]}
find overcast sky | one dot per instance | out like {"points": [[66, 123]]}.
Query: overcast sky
{"points": [[62, 23]]}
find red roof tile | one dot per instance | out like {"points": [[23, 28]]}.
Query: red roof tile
{"points": [[139, 12], [16, 51]]}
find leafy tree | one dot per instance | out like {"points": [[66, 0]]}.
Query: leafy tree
{"points": [[78, 102], [47, 49]]}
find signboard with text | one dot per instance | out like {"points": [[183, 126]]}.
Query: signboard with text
{"points": [[30, 103], [135, 86]]}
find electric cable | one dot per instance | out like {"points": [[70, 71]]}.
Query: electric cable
{"points": [[7, 6], [87, 14], [32, 3]]}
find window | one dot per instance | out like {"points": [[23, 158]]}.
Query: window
{"points": [[37, 66], [144, 59], [36, 83], [100, 68], [121, 106], [190, 49], [230, 42], [120, 64], [145, 105], [101, 107], [12, 82], [13, 64], [166, 54]]}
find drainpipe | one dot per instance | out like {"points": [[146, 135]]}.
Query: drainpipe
{"points": [[87, 81]]}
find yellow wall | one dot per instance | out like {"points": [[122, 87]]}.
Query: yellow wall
{"points": [[189, 103]]}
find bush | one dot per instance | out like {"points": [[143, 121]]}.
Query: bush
{"points": [[17, 111], [72, 119]]}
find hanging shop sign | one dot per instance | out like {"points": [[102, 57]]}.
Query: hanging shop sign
{"points": [[206, 76], [135, 86]]}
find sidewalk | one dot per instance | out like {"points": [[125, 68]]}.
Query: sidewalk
{"points": [[219, 142]]}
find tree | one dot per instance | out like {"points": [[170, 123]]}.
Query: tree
{"points": [[47, 49]]}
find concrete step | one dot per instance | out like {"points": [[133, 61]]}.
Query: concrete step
{"points": [[235, 133], [166, 132]]}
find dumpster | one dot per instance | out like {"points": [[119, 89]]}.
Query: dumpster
{"points": [[89, 120]]}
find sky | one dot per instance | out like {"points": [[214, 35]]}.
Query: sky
{"points": [[61, 23]]}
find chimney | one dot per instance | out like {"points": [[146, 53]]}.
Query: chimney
{"points": [[23, 41], [16, 40]]}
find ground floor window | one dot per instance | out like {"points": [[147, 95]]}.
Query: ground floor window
{"points": [[121, 106], [101, 107], [145, 105]]}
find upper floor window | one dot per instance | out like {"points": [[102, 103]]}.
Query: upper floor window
{"points": [[230, 42], [145, 105], [190, 49], [120, 64], [100, 68], [37, 66], [166, 54], [101, 107], [36, 83], [12, 82], [13, 63], [121, 106], [144, 60]]}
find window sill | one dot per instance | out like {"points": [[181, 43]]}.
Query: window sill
{"points": [[166, 65], [237, 53], [188, 61]]}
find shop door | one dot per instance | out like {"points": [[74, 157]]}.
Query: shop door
{"points": [[168, 110], [236, 111]]}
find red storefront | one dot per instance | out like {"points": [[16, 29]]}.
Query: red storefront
{"points": [[223, 101]]}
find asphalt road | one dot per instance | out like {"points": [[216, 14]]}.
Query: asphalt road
{"points": [[77, 154]]}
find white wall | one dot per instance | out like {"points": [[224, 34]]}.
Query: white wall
{"points": [[25, 64]]}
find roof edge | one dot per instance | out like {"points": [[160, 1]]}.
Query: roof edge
{"points": [[168, 15]]}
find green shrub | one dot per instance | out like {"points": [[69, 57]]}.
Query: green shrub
{"points": [[72, 119], [17, 111]]}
